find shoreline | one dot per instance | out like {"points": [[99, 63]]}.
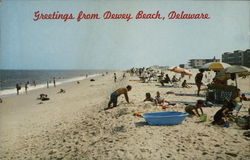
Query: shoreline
{"points": [[13, 92]]}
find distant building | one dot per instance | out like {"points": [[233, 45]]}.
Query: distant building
{"points": [[186, 66], [197, 63], [238, 57], [182, 65]]}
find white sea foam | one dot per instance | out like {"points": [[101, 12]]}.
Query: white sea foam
{"points": [[9, 92]]}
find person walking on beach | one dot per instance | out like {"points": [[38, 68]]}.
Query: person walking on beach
{"points": [[115, 77], [34, 82], [18, 87], [114, 96], [54, 81], [47, 84], [26, 87], [124, 76], [198, 81]]}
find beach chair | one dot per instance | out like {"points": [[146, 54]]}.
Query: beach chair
{"points": [[237, 108]]}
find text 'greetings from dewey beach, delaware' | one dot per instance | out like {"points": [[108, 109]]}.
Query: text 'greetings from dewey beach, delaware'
{"points": [[109, 15]]}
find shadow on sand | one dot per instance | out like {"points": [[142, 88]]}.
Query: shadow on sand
{"points": [[167, 86], [187, 94], [141, 124]]}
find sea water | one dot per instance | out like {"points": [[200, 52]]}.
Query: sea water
{"points": [[9, 78]]}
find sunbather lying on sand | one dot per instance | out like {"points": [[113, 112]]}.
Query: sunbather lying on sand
{"points": [[62, 91], [193, 110], [114, 96], [43, 97]]}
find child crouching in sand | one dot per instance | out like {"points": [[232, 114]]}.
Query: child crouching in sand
{"points": [[193, 110], [221, 116]]}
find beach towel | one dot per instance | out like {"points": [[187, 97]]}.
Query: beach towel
{"points": [[134, 80], [181, 102]]}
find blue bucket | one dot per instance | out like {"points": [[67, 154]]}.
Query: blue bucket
{"points": [[165, 118]]}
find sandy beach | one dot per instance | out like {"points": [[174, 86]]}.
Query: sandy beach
{"points": [[74, 125]]}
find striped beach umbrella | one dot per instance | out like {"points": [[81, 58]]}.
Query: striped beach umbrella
{"points": [[215, 66]]}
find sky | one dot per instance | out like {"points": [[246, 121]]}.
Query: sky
{"points": [[118, 44]]}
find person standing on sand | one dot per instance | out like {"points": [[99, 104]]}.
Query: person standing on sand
{"points": [[114, 96], [115, 77], [34, 82], [54, 81], [26, 87], [198, 81], [18, 87], [124, 76]]}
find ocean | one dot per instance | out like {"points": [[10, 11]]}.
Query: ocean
{"points": [[9, 78]]}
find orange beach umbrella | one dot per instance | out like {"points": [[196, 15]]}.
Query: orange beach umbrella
{"points": [[180, 70]]}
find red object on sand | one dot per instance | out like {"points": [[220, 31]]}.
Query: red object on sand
{"points": [[163, 106]]}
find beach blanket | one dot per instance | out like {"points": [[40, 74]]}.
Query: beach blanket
{"points": [[206, 104], [134, 80], [181, 102]]}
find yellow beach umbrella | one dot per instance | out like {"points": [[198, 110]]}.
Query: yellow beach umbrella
{"points": [[215, 66]]}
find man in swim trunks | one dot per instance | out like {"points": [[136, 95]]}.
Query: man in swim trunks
{"points": [[114, 96], [198, 81]]}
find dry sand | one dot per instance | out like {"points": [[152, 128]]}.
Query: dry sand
{"points": [[74, 125]]}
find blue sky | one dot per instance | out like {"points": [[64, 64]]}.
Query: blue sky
{"points": [[118, 44]]}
